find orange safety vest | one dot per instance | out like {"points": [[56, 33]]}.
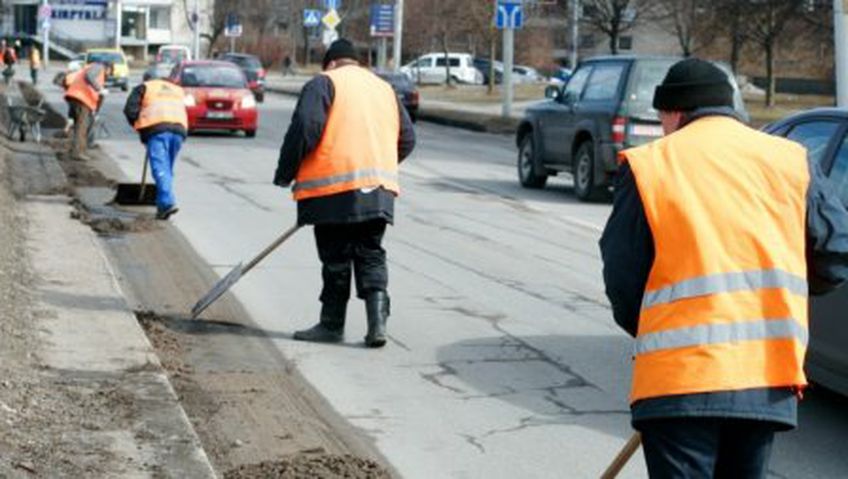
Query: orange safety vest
{"points": [[725, 306], [80, 90], [163, 102], [359, 146]]}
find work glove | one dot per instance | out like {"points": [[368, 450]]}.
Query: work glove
{"points": [[104, 93], [280, 181]]}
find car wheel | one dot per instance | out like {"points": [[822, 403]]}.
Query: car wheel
{"points": [[584, 174], [250, 133], [527, 164]]}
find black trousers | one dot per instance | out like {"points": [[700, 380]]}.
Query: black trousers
{"points": [[694, 448], [353, 247]]}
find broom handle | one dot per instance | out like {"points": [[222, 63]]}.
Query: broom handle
{"points": [[623, 457], [143, 179]]}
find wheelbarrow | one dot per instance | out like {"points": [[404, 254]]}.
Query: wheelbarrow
{"points": [[137, 193]]}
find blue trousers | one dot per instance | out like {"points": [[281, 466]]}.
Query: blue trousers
{"points": [[162, 151], [706, 448]]}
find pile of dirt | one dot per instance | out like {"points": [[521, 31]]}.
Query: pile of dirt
{"points": [[111, 222], [79, 172], [306, 466], [165, 341]]}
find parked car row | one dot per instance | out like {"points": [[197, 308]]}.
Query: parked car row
{"points": [[432, 68]]}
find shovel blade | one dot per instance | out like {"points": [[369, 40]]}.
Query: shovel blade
{"points": [[219, 289], [131, 194]]}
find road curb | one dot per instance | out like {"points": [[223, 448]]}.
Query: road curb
{"points": [[92, 339]]}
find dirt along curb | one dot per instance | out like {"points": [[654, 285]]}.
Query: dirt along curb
{"points": [[254, 414], [479, 122], [83, 393]]}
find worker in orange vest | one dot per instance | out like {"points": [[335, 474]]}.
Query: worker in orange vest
{"points": [[85, 92], [342, 149], [718, 234], [156, 110]]}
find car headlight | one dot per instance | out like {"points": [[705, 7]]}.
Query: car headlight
{"points": [[189, 100], [248, 101]]}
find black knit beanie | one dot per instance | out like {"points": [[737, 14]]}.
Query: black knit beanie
{"points": [[340, 48], [691, 84]]}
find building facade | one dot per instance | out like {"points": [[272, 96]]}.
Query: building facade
{"points": [[138, 26]]}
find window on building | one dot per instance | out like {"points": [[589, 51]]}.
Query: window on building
{"points": [[625, 43], [160, 18]]}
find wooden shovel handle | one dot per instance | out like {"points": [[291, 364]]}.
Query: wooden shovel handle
{"points": [[623, 457]]}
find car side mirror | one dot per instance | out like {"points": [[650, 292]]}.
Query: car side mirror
{"points": [[552, 93]]}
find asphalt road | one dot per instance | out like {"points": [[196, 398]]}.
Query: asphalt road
{"points": [[503, 361]]}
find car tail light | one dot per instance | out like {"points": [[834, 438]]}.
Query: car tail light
{"points": [[619, 129]]}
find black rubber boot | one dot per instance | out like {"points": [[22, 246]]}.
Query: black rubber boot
{"points": [[330, 328], [377, 308]]}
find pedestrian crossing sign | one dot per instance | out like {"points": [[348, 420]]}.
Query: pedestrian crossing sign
{"points": [[311, 18], [331, 20]]}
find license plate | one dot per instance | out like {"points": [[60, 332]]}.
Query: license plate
{"points": [[219, 115], [647, 130]]}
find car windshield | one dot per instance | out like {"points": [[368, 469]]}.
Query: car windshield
{"points": [[219, 76], [643, 82], [172, 55], [105, 57], [249, 63]]}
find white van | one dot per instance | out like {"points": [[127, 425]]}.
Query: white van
{"points": [[430, 68], [173, 54]]}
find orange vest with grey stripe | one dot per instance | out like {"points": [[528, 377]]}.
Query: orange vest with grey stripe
{"points": [[359, 146], [81, 91], [725, 306], [163, 102]]}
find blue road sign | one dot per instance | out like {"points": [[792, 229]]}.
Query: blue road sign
{"points": [[232, 20], [312, 18], [508, 14], [332, 4], [382, 20]]}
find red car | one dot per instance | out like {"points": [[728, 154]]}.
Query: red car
{"points": [[217, 97]]}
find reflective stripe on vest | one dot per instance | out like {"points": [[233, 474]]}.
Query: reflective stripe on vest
{"points": [[80, 90], [725, 305], [725, 283], [163, 102], [358, 148]]}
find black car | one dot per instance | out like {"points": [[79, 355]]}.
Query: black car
{"points": [[603, 108], [253, 70], [484, 65], [405, 89], [824, 132]]}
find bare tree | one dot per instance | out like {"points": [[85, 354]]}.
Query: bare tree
{"points": [[614, 17], [767, 20], [690, 21]]}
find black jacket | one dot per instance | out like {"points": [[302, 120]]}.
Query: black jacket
{"points": [[627, 250], [132, 110], [304, 135]]}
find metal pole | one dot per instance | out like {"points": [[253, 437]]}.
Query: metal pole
{"points": [[383, 53], [45, 43], [840, 37], [118, 19], [575, 32], [232, 44], [196, 38], [508, 51], [398, 41]]}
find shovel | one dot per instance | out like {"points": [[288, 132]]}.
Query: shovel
{"points": [[236, 274], [623, 457], [137, 194]]}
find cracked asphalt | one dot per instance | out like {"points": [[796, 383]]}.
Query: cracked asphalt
{"points": [[503, 358]]}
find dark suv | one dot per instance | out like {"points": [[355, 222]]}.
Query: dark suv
{"points": [[252, 68], [604, 108]]}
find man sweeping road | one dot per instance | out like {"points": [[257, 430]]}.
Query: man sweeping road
{"points": [[347, 136], [85, 91], [156, 110], [718, 234]]}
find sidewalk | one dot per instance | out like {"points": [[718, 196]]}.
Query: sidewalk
{"points": [[83, 393], [484, 117]]}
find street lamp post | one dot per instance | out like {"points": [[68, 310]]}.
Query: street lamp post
{"points": [[575, 32], [45, 32], [118, 19]]}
